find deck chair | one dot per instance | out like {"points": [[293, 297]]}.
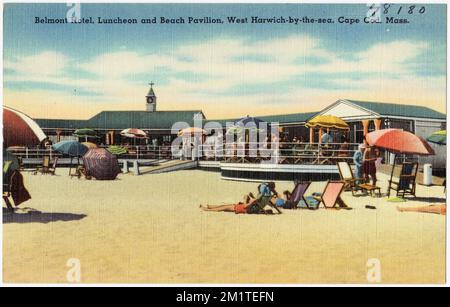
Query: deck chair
{"points": [[52, 169], [298, 194], [406, 184], [331, 195], [264, 201], [43, 169], [346, 173]]}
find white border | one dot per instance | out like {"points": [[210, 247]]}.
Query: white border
{"points": [[224, 285]]}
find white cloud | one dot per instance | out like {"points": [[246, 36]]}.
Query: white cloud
{"points": [[226, 63]]}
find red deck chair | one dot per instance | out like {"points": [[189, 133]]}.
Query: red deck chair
{"points": [[331, 195]]}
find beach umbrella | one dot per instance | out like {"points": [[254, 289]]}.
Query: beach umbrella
{"points": [[245, 124], [101, 164], [71, 148], [248, 120], [90, 145], [438, 137], [86, 133], [190, 131], [117, 150], [134, 133], [327, 121], [399, 141], [20, 130]]}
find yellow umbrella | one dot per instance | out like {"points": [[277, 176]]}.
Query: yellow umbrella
{"points": [[327, 121], [89, 145]]}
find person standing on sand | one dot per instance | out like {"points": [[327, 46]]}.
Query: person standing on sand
{"points": [[369, 167], [358, 161]]}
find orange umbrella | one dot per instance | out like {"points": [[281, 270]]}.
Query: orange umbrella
{"points": [[90, 145], [399, 142]]}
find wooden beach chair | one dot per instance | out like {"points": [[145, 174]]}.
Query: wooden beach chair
{"points": [[44, 167], [346, 173], [406, 184], [298, 194], [331, 196], [52, 169]]}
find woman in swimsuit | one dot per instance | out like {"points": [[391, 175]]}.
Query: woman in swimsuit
{"points": [[240, 207]]}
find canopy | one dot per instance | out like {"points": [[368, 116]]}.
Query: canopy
{"points": [[191, 131], [86, 133], [438, 137], [399, 141], [134, 133], [327, 121], [20, 130], [101, 164], [71, 148]]}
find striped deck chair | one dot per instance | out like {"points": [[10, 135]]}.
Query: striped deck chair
{"points": [[298, 194], [331, 196], [346, 173]]}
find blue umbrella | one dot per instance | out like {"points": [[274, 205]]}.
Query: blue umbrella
{"points": [[248, 120], [71, 148]]}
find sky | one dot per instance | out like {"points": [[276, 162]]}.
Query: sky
{"points": [[225, 70]]}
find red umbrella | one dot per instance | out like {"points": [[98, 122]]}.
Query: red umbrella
{"points": [[101, 164], [20, 130], [399, 142]]}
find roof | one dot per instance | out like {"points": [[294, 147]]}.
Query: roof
{"points": [[394, 109], [125, 119], [282, 118]]}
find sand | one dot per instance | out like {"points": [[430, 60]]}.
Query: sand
{"points": [[149, 229]]}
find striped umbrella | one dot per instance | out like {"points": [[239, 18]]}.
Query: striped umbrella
{"points": [[134, 133], [191, 131], [117, 150], [20, 130], [101, 164]]}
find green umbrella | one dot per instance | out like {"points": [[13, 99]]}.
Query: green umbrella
{"points": [[86, 133], [116, 150], [438, 137]]}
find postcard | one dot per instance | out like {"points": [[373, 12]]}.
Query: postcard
{"points": [[229, 143]]}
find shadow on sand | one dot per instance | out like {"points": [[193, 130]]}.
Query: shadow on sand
{"points": [[27, 215]]}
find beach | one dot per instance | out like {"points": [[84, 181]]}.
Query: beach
{"points": [[149, 229]]}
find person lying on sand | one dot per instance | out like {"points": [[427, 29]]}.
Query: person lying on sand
{"points": [[436, 209], [240, 207]]}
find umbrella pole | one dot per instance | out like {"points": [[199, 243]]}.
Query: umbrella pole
{"points": [[70, 166], [392, 176]]}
